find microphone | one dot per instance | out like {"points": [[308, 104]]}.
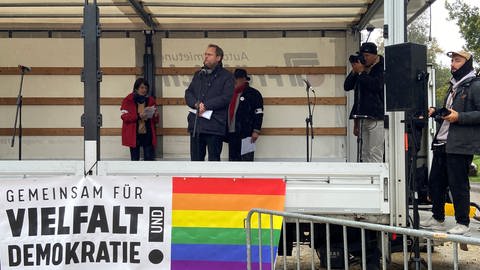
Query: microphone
{"points": [[25, 68], [204, 71], [309, 87]]}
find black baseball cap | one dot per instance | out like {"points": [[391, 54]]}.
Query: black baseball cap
{"points": [[241, 73], [368, 47]]}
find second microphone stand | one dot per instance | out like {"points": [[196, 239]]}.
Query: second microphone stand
{"points": [[18, 117], [309, 123]]}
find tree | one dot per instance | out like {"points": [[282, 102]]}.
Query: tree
{"points": [[417, 32], [468, 20]]}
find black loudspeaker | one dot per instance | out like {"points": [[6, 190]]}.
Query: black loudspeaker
{"points": [[406, 77]]}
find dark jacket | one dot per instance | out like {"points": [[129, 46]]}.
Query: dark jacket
{"points": [[215, 90], [130, 119], [463, 135], [249, 113], [368, 87]]}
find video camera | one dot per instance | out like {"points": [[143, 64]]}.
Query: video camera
{"points": [[441, 112], [357, 57]]}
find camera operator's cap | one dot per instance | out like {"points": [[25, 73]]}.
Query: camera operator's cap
{"points": [[241, 73], [368, 47], [462, 53]]}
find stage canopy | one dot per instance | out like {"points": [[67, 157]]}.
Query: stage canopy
{"points": [[165, 15]]}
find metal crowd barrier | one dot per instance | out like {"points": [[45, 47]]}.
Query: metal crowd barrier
{"points": [[383, 229]]}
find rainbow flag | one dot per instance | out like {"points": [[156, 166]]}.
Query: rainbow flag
{"points": [[208, 221]]}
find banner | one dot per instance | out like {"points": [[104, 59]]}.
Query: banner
{"points": [[208, 221], [126, 222], [81, 223]]}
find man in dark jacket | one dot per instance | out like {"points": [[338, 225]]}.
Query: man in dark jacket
{"points": [[454, 145], [245, 116], [366, 79], [208, 96]]}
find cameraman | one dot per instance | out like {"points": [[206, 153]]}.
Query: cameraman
{"points": [[366, 79]]}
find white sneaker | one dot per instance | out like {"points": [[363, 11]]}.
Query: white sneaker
{"points": [[460, 229], [432, 223]]}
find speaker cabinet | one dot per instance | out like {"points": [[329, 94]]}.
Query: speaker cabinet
{"points": [[406, 77]]}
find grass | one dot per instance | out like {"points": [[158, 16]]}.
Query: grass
{"points": [[476, 179]]}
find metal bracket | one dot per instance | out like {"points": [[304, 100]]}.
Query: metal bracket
{"points": [[99, 76], [385, 31], [82, 120], [99, 31], [99, 120]]}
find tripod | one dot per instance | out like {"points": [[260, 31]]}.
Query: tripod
{"points": [[18, 115], [413, 127], [360, 118]]}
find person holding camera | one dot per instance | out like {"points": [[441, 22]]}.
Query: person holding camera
{"points": [[455, 143], [366, 79]]}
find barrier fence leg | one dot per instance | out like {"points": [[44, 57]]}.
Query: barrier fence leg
{"points": [[345, 247]]}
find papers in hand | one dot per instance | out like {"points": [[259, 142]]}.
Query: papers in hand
{"points": [[149, 111], [247, 146], [207, 114]]}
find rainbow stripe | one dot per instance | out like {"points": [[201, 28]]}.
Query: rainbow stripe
{"points": [[208, 221]]}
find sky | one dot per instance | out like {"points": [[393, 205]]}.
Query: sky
{"points": [[446, 32]]}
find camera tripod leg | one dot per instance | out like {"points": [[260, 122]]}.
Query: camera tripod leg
{"points": [[360, 141]]}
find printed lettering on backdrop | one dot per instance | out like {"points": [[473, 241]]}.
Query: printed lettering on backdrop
{"points": [[81, 223], [131, 222]]}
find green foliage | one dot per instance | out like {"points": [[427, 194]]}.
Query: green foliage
{"points": [[442, 77], [417, 32], [468, 20]]}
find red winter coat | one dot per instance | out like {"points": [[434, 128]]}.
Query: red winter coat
{"points": [[130, 118]]}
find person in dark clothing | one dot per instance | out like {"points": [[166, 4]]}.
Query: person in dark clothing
{"points": [[366, 79], [208, 96], [245, 116], [455, 143], [139, 115]]}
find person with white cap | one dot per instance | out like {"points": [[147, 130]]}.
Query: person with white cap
{"points": [[454, 145]]}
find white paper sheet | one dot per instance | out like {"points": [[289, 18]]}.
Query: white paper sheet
{"points": [[150, 111], [247, 146], [207, 114]]}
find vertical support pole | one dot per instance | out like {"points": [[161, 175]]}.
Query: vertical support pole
{"points": [[149, 62], [149, 75], [394, 33], [91, 78]]}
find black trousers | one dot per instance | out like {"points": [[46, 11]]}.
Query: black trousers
{"points": [[148, 153], [450, 170], [201, 142], [235, 149]]}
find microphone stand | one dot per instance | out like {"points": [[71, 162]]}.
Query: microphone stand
{"points": [[360, 135], [308, 122], [202, 81], [18, 118]]}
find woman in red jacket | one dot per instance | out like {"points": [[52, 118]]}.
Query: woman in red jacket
{"points": [[139, 115]]}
